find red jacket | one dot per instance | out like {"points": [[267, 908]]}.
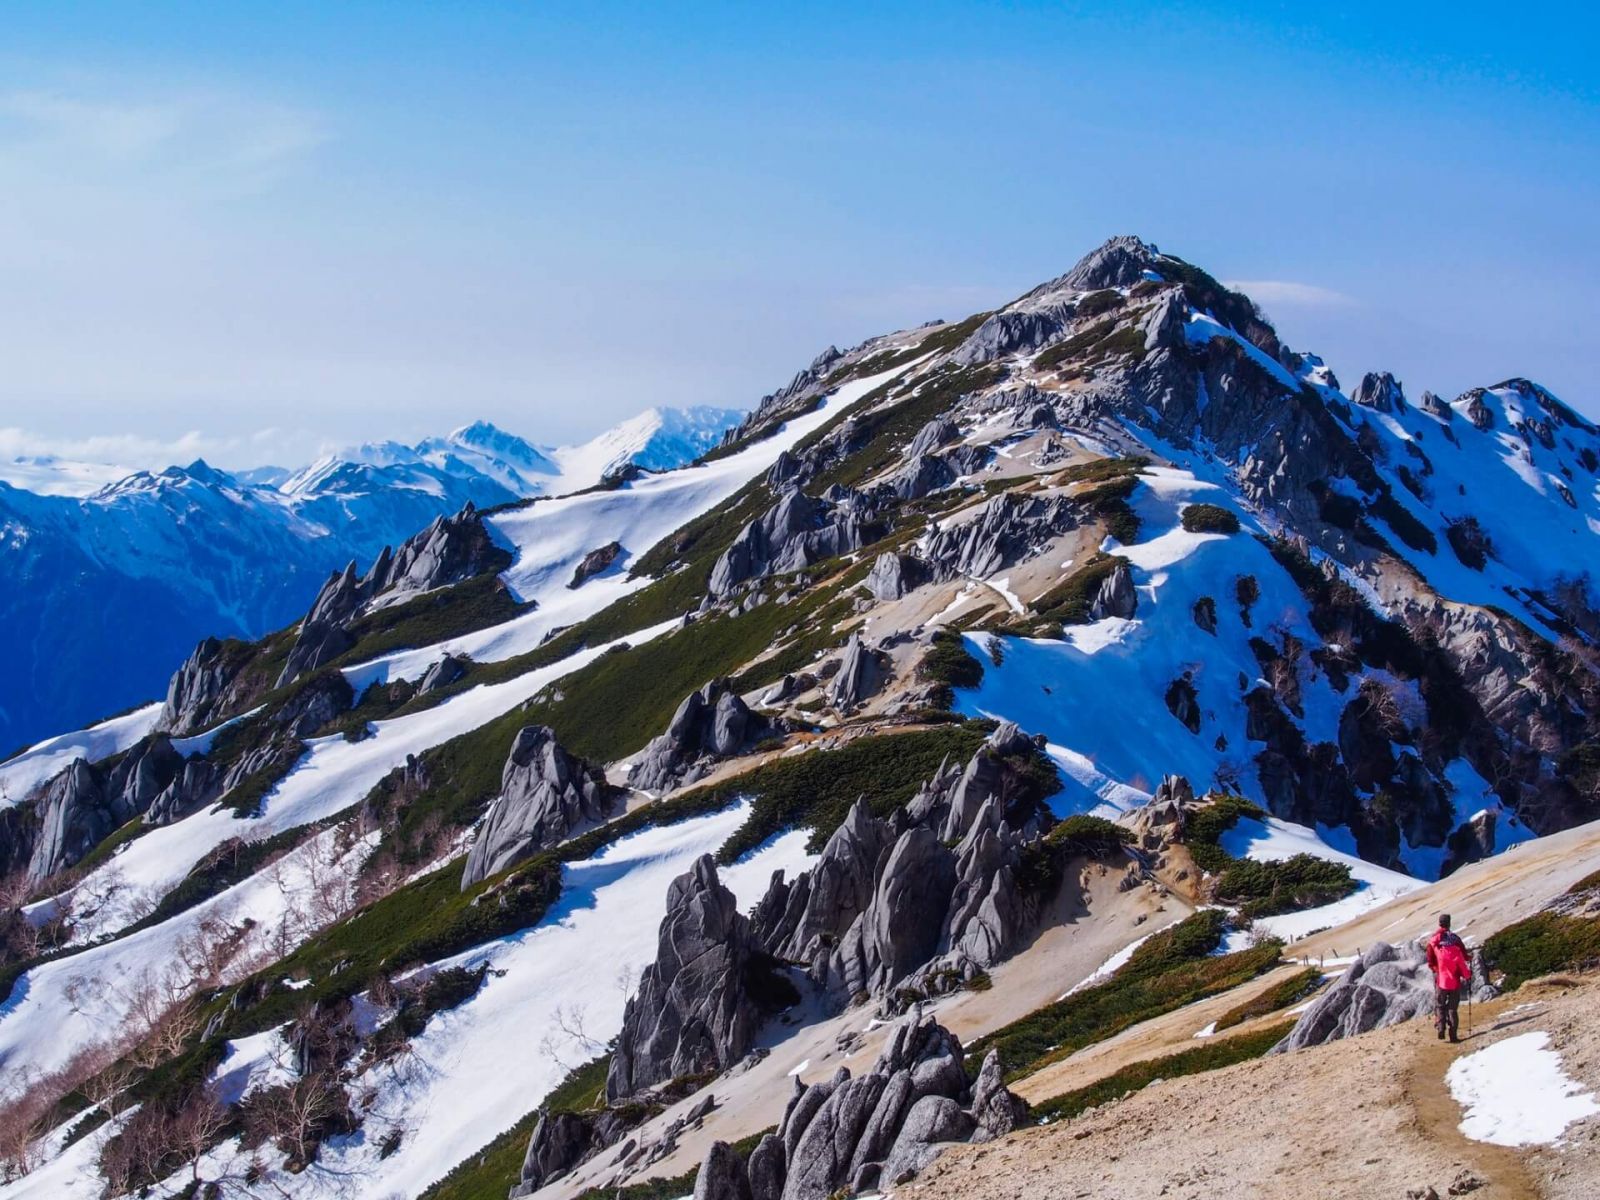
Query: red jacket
{"points": [[1447, 958]]}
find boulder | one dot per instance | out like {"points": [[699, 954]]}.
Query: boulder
{"points": [[894, 575], [560, 1141], [442, 674], [1385, 986], [932, 1123], [722, 1175], [546, 796], [595, 562]]}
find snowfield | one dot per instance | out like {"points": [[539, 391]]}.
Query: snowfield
{"points": [[1099, 693], [333, 775], [1515, 1093], [1274, 840], [480, 1067]]}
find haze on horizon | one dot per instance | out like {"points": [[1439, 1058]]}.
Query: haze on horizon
{"points": [[252, 235]]}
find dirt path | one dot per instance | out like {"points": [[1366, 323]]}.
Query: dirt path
{"points": [[1438, 1115]]}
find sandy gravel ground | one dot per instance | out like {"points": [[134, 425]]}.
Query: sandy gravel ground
{"points": [[1368, 1117]]}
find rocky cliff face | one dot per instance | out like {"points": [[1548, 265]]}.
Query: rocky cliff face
{"points": [[694, 1011]]}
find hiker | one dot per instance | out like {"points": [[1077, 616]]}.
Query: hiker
{"points": [[1452, 971]]}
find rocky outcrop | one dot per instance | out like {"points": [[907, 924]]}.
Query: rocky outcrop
{"points": [[921, 475], [1385, 986], [951, 800], [449, 550], [595, 562], [693, 1012], [794, 533], [802, 922], [1379, 392], [894, 575], [73, 819], [1004, 531], [854, 1135], [85, 803], [203, 688], [1116, 597], [546, 796], [933, 436], [862, 674], [711, 723], [916, 904], [560, 1141], [442, 674], [902, 927]]}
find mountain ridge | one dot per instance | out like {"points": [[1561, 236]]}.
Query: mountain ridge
{"points": [[968, 653]]}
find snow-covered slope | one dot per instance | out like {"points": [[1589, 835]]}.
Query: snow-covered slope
{"points": [[1117, 512]]}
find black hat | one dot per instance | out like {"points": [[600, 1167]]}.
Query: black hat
{"points": [[1444, 920]]}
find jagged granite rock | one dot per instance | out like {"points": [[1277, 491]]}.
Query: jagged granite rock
{"points": [[937, 433], [1385, 986], [73, 819], [794, 533], [1436, 407], [449, 550], [902, 926], [200, 691], [546, 796], [921, 475], [854, 1133], [765, 1169], [803, 921], [996, 1109], [692, 1013], [560, 1141], [594, 562], [1116, 597], [1380, 392], [722, 1175], [952, 798], [932, 1123], [85, 803], [710, 723], [1004, 530], [861, 676]]}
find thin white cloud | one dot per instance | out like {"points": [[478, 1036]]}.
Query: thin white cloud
{"points": [[116, 132], [134, 451], [1291, 294]]}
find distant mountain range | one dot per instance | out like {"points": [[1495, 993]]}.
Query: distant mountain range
{"points": [[110, 582]]}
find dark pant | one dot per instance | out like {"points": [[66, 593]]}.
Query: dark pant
{"points": [[1447, 1010]]}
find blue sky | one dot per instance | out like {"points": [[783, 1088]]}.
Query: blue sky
{"points": [[251, 231]]}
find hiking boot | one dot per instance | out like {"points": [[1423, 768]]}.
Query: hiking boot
{"points": [[1440, 1033], [1453, 1039]]}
